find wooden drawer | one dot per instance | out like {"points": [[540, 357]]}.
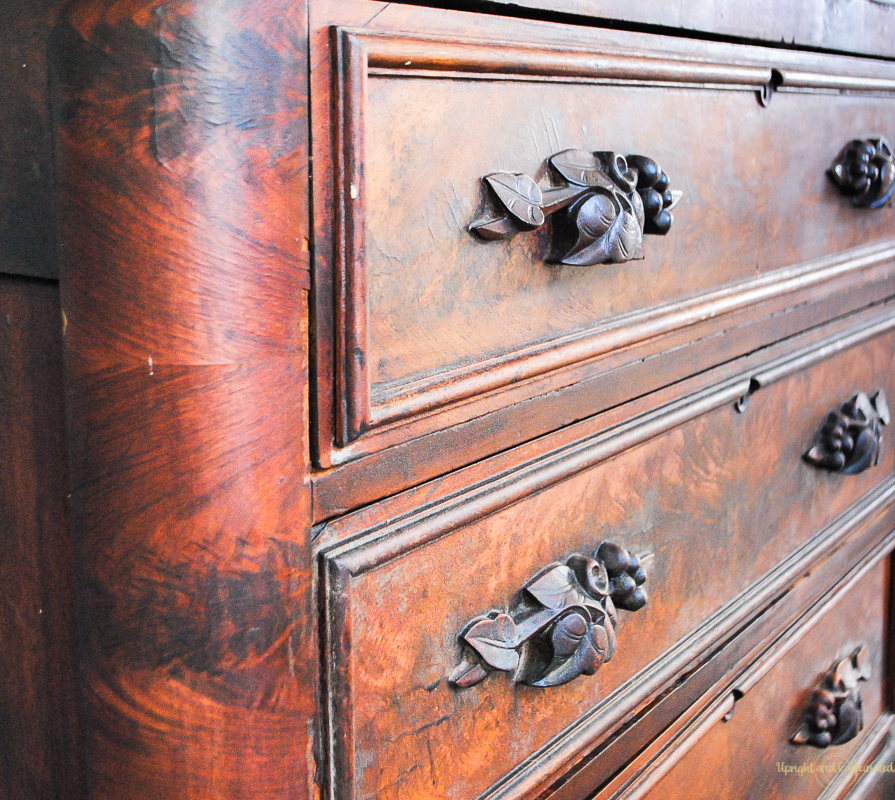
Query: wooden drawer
{"points": [[687, 482], [422, 326], [751, 754], [859, 27]]}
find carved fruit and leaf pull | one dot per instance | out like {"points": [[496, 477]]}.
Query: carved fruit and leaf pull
{"points": [[601, 205], [834, 714], [865, 171], [565, 623], [850, 439]]}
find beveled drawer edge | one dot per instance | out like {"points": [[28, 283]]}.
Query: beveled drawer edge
{"points": [[604, 718], [867, 782], [645, 735], [393, 538], [623, 331], [358, 409], [599, 723], [872, 749], [864, 753], [392, 51], [724, 705]]}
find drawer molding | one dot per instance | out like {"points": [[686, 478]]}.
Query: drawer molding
{"points": [[646, 772], [565, 625], [419, 527], [355, 407], [338, 571], [429, 395]]}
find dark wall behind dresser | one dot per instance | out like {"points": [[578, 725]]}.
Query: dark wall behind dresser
{"points": [[40, 753]]}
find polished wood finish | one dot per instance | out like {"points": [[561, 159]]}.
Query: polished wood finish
{"points": [[489, 325], [40, 743], [184, 284], [718, 465], [864, 27], [710, 766], [324, 440]]}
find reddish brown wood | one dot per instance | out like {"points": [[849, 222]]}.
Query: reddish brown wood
{"points": [[714, 767], [185, 280], [216, 334], [850, 27], [717, 471], [661, 723], [631, 372], [484, 326], [40, 743]]}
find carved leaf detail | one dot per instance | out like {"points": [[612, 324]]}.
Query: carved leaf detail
{"points": [[590, 250], [521, 196], [467, 674], [627, 245], [563, 626], [558, 589], [882, 408], [494, 228], [581, 169], [495, 640], [579, 648]]}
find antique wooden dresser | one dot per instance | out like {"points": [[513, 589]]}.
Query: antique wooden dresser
{"points": [[479, 400]]}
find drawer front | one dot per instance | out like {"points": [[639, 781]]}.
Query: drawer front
{"points": [[424, 324], [753, 754], [688, 483], [865, 26]]}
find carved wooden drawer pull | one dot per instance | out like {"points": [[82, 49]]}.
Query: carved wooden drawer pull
{"points": [[602, 204], [850, 439], [865, 171], [834, 714], [564, 626]]}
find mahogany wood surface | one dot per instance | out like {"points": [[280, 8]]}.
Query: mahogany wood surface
{"points": [[716, 472], [627, 756], [315, 427], [40, 742], [184, 283], [857, 26], [765, 718], [422, 330]]}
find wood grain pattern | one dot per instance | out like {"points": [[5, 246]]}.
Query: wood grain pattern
{"points": [[40, 743], [859, 27], [481, 320], [568, 400], [714, 471], [763, 739], [184, 286], [630, 755]]}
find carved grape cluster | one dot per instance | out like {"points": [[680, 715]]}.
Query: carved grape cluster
{"points": [[655, 195], [626, 577], [564, 626], [821, 717], [602, 204], [851, 436], [865, 171], [834, 714]]}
